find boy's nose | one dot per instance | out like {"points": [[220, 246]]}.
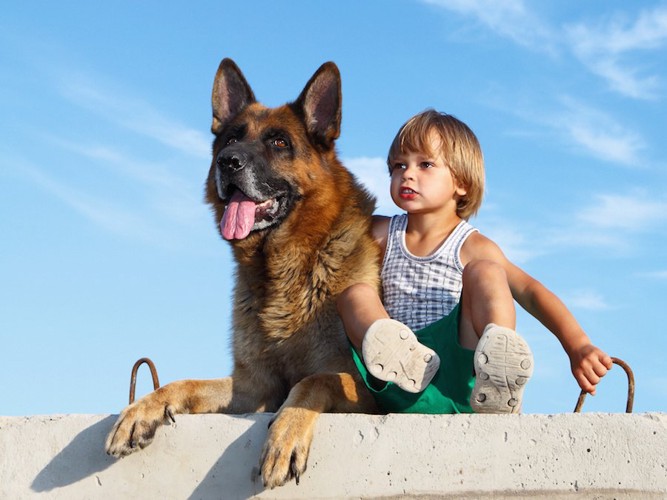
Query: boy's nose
{"points": [[408, 173]]}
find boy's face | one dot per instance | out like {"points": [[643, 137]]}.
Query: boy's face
{"points": [[423, 183]]}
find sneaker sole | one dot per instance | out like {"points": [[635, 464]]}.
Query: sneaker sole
{"points": [[503, 364], [392, 353]]}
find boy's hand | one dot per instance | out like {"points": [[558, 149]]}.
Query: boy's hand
{"points": [[589, 365]]}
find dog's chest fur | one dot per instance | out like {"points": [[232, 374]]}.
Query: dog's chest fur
{"points": [[288, 317]]}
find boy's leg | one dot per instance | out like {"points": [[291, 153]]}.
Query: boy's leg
{"points": [[503, 361], [359, 306], [390, 350]]}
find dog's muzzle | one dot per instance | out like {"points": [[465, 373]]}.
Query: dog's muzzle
{"points": [[255, 198], [233, 161]]}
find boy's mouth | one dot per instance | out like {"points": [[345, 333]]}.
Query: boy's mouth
{"points": [[407, 193]]}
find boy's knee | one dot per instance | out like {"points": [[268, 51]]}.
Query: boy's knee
{"points": [[483, 271]]}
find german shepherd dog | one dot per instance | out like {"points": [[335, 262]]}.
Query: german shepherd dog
{"points": [[299, 226]]}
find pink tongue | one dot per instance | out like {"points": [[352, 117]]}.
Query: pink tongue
{"points": [[239, 217]]}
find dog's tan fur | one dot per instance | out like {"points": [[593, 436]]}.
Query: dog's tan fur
{"points": [[290, 351]]}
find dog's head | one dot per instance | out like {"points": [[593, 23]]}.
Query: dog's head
{"points": [[267, 160]]}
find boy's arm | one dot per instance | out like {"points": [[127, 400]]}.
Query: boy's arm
{"points": [[380, 231], [588, 362]]}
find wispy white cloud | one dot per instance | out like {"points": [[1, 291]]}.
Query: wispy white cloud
{"points": [[517, 246], [561, 238], [107, 215], [612, 223], [616, 223], [608, 48], [654, 275], [508, 18], [597, 133], [105, 97], [582, 128], [133, 114], [589, 300], [625, 212], [155, 175], [603, 48], [174, 197], [141, 200], [160, 201]]}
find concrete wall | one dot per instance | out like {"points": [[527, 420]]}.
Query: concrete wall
{"points": [[358, 456]]}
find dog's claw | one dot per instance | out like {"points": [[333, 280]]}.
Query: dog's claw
{"points": [[294, 470], [285, 453]]}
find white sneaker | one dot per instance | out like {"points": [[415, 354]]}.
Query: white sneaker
{"points": [[503, 364], [392, 353]]}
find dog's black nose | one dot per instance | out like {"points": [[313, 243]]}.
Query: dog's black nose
{"points": [[234, 161]]}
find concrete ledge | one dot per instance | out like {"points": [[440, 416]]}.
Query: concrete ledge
{"points": [[359, 456]]}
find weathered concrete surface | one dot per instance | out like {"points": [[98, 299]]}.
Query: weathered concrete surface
{"points": [[353, 456]]}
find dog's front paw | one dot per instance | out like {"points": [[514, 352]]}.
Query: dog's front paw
{"points": [[285, 453], [136, 426]]}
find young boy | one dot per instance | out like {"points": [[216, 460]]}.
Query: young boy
{"points": [[453, 286]]}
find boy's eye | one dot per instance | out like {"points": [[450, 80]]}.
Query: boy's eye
{"points": [[398, 166], [426, 164]]}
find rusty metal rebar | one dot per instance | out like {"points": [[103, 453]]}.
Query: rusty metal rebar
{"points": [[631, 388], [133, 379]]}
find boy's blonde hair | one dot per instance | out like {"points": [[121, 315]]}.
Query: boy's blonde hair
{"points": [[459, 147]]}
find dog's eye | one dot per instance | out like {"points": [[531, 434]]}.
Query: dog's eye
{"points": [[231, 140], [280, 143]]}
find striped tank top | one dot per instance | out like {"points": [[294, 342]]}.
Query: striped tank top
{"points": [[418, 291]]}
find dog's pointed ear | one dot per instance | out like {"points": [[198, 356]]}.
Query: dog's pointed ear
{"points": [[320, 105], [231, 93]]}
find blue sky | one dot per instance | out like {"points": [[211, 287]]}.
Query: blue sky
{"points": [[108, 254]]}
